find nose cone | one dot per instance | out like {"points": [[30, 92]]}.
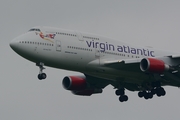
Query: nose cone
{"points": [[14, 45], [22, 47]]}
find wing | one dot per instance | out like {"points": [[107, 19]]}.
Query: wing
{"points": [[135, 64], [147, 69]]}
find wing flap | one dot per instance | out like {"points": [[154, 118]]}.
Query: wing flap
{"points": [[175, 56], [125, 61]]}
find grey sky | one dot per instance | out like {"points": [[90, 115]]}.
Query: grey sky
{"points": [[141, 22]]}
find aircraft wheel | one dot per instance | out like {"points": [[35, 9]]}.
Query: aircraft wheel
{"points": [[140, 94], [123, 98], [161, 92], [158, 94], [117, 92], [150, 95], [153, 91], [42, 76], [39, 77], [146, 95], [120, 92]]}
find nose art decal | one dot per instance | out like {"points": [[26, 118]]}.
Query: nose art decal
{"points": [[48, 37]]}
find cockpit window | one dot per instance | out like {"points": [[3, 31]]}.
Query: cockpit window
{"points": [[34, 29]]}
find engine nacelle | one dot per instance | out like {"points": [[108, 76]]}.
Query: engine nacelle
{"points": [[74, 83], [153, 65], [87, 92]]}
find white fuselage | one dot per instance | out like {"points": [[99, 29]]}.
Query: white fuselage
{"points": [[77, 51]]}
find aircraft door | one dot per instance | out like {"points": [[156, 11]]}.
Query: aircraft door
{"points": [[79, 36], [35, 50], [97, 51], [58, 45]]}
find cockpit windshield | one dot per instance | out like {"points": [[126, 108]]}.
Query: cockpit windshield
{"points": [[34, 29]]}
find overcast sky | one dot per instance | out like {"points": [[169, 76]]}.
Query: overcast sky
{"points": [[153, 23]]}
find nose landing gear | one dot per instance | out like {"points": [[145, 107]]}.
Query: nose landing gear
{"points": [[41, 75]]}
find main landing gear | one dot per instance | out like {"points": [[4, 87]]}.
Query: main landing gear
{"points": [[41, 75], [156, 89], [121, 93]]}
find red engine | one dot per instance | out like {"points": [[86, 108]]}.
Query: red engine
{"points": [[74, 83], [153, 65], [78, 86]]}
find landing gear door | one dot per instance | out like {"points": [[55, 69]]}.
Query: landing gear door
{"points": [[58, 45]]}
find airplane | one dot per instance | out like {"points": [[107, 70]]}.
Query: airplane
{"points": [[103, 61]]}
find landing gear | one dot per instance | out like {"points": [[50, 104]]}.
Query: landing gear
{"points": [[41, 75], [121, 93], [146, 94], [156, 89]]}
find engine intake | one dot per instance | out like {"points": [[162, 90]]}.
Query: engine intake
{"points": [[153, 65], [74, 83]]}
